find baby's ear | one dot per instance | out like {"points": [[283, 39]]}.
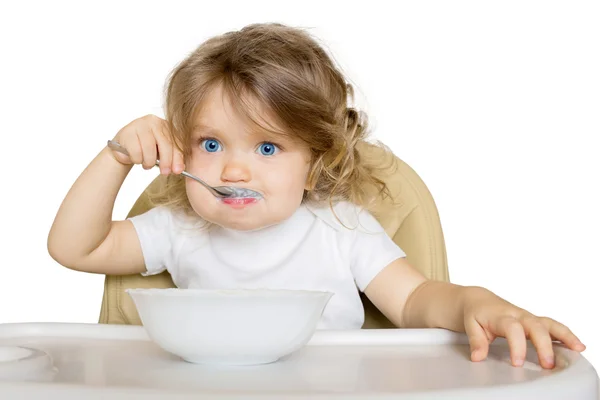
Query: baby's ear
{"points": [[310, 185], [312, 176]]}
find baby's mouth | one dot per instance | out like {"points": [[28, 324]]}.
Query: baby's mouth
{"points": [[239, 201], [238, 193]]}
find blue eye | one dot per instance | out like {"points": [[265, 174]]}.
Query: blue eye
{"points": [[210, 145], [268, 149]]}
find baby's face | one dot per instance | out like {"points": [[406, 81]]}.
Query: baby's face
{"points": [[224, 152]]}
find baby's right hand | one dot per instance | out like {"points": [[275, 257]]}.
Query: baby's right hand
{"points": [[148, 139]]}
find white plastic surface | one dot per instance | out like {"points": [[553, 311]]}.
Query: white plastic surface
{"points": [[247, 327], [22, 364], [120, 362]]}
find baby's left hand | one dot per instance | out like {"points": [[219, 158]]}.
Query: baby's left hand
{"points": [[487, 316]]}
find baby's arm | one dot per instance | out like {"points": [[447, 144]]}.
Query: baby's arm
{"points": [[433, 304], [83, 236], [411, 301]]}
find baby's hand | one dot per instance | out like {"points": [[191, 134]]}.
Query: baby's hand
{"points": [[148, 139], [487, 316]]}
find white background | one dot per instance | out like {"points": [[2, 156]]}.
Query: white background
{"points": [[495, 105]]}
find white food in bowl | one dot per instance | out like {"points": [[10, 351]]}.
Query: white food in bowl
{"points": [[230, 327]]}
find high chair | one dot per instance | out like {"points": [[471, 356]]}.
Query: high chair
{"points": [[411, 219]]}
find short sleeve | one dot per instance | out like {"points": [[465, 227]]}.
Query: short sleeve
{"points": [[371, 250], [154, 229]]}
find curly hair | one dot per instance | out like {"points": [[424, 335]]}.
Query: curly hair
{"points": [[290, 74]]}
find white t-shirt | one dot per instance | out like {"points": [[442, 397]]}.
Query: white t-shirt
{"points": [[311, 250]]}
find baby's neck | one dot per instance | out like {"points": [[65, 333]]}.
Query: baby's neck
{"points": [[267, 246], [268, 230]]}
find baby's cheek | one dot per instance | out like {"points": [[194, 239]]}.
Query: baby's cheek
{"points": [[290, 190], [296, 182], [201, 161], [199, 167], [200, 198]]}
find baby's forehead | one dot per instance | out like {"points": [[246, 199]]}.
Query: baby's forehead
{"points": [[248, 131], [224, 114], [224, 121]]}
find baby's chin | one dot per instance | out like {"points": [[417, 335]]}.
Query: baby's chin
{"points": [[243, 220], [238, 224]]}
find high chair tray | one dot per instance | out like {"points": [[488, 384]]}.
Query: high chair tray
{"points": [[93, 361]]}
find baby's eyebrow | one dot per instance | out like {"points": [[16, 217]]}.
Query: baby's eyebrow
{"points": [[270, 136], [270, 132], [199, 128], [258, 133]]}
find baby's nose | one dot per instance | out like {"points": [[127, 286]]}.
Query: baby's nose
{"points": [[236, 170]]}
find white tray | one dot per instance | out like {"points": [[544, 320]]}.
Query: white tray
{"points": [[94, 361]]}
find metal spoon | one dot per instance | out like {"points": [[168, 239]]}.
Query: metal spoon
{"points": [[217, 191]]}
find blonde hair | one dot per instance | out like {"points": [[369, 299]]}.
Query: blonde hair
{"points": [[290, 74]]}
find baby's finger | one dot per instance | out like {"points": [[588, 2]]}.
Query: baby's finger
{"points": [[513, 331], [478, 340], [132, 145], [560, 332], [540, 337], [176, 158], [178, 162], [165, 153], [120, 156], [149, 152]]}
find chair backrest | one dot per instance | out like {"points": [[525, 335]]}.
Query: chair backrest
{"points": [[411, 220]]}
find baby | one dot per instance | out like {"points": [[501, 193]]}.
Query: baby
{"points": [[266, 109]]}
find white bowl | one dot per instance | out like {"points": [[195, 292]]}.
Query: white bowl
{"points": [[229, 327]]}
